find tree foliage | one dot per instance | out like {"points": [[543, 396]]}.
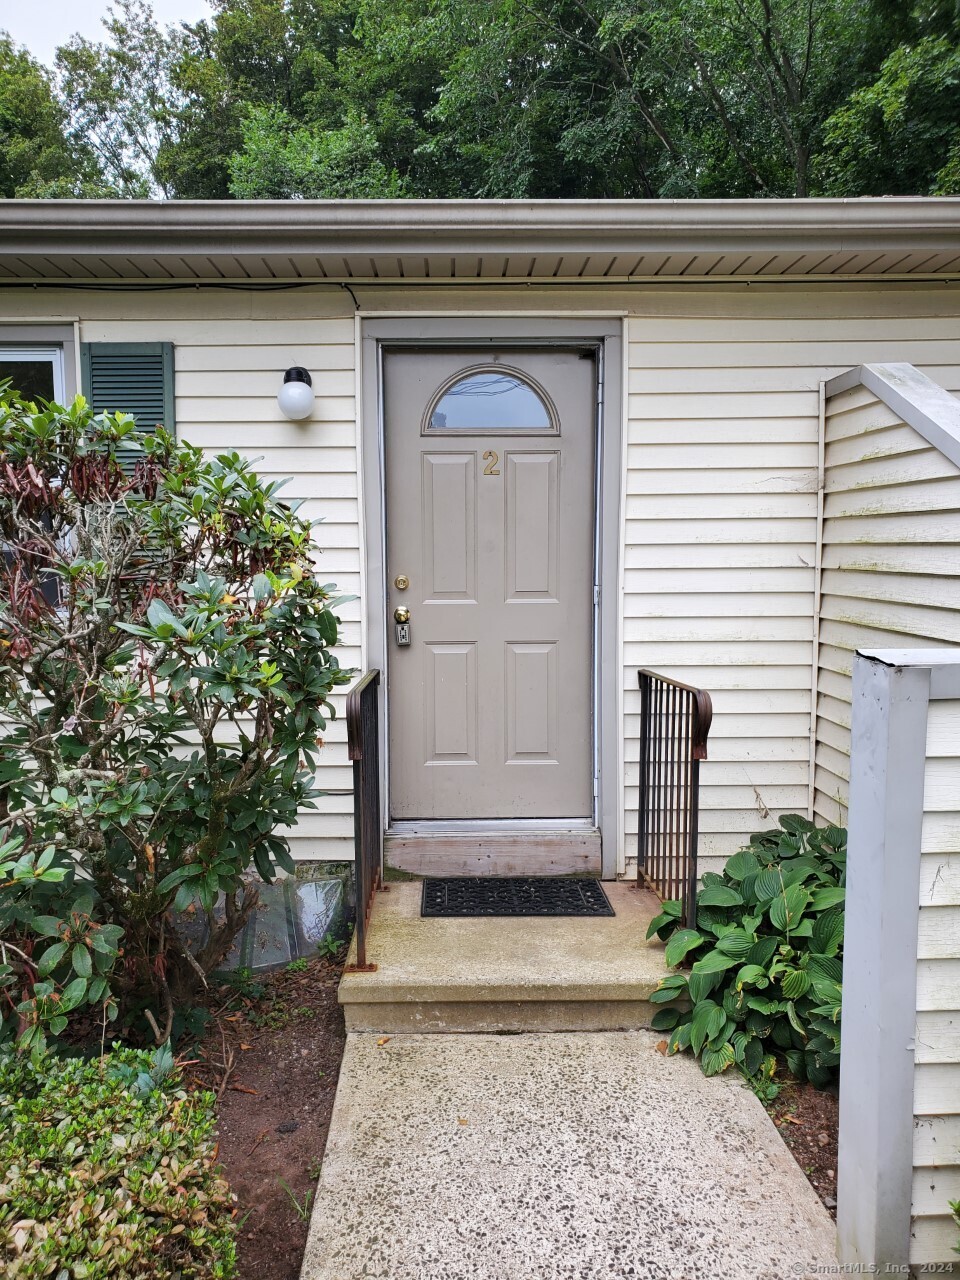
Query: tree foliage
{"points": [[37, 155], [900, 135], [499, 98]]}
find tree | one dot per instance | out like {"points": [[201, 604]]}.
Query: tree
{"points": [[37, 155], [498, 98], [282, 162], [166, 667], [120, 95], [901, 135], [254, 61]]}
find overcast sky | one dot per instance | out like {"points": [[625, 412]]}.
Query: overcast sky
{"points": [[42, 25]]}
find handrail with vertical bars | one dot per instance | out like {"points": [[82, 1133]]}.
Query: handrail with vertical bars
{"points": [[363, 745], [674, 722]]}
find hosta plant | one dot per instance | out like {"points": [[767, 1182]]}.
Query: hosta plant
{"points": [[166, 667], [763, 968]]}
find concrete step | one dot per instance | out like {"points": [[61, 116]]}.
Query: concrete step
{"points": [[504, 974]]}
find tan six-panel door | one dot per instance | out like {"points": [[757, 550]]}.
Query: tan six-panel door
{"points": [[490, 519]]}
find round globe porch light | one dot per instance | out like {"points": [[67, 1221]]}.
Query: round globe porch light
{"points": [[295, 396]]}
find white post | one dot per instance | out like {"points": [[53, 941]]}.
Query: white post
{"points": [[887, 762]]}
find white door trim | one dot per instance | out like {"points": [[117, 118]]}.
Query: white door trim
{"points": [[376, 333]]}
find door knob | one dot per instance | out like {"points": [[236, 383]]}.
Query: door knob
{"points": [[401, 618]]}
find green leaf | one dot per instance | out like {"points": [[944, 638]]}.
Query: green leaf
{"points": [[787, 909], [72, 994], [795, 1020], [741, 865], [716, 1060], [827, 897], [699, 985], [768, 885], [714, 962], [762, 951], [51, 958], [100, 941], [283, 857], [707, 1020], [753, 1056], [665, 1019], [671, 988], [719, 896], [261, 859], [666, 920], [159, 615], [177, 876], [752, 975], [795, 983], [827, 932], [736, 943], [682, 942], [47, 926], [680, 1039], [795, 824], [827, 967], [80, 959]]}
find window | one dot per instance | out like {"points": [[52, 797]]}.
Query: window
{"points": [[493, 399], [35, 372]]}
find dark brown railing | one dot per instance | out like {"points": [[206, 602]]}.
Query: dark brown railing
{"points": [[363, 743], [674, 723]]}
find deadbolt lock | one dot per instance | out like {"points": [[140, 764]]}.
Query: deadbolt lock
{"points": [[401, 582]]}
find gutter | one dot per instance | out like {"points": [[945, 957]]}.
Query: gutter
{"points": [[385, 227]]}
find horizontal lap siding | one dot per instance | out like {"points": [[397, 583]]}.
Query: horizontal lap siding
{"points": [[891, 559], [720, 502], [936, 1148], [228, 368], [720, 527]]}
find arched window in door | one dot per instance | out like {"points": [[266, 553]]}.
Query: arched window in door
{"points": [[491, 398]]}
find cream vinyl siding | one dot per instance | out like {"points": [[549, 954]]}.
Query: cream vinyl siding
{"points": [[230, 351], [721, 522], [890, 561], [720, 485], [936, 1099]]}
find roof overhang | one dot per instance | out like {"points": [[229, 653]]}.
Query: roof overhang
{"points": [[478, 240]]}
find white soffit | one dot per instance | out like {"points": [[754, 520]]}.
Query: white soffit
{"points": [[486, 241]]}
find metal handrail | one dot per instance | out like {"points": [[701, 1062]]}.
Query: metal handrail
{"points": [[363, 746], [675, 720]]}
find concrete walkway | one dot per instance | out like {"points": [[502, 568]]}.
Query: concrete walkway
{"points": [[542, 1156]]}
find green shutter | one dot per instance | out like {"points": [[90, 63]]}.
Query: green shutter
{"points": [[130, 377]]}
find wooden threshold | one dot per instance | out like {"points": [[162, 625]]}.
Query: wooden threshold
{"points": [[491, 853]]}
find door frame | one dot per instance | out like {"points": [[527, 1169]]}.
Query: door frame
{"points": [[378, 334]]}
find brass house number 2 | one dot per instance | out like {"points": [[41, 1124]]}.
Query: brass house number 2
{"points": [[491, 459]]}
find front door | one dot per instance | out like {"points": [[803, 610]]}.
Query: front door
{"points": [[490, 487]]}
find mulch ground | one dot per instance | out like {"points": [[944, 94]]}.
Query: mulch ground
{"points": [[807, 1120], [272, 1052]]}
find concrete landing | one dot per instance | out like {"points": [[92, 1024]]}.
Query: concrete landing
{"points": [[495, 974], [554, 1157]]}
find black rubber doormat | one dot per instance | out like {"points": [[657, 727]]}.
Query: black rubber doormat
{"points": [[513, 896]]}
